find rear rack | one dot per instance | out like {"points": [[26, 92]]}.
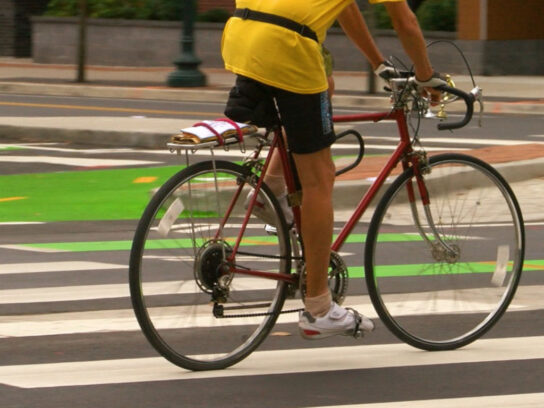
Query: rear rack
{"points": [[220, 132]]}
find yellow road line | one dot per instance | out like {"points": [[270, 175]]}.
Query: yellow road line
{"points": [[107, 109], [12, 199], [144, 180]]}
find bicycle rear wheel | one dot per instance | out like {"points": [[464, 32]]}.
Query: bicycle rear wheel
{"points": [[193, 312], [441, 287]]}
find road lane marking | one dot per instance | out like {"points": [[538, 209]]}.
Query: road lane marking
{"points": [[38, 267], [275, 362], [535, 400], [144, 180], [77, 161], [111, 291], [527, 298], [7, 199], [19, 223], [23, 247], [107, 109]]}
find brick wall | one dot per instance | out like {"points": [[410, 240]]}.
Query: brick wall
{"points": [[500, 20], [204, 5]]}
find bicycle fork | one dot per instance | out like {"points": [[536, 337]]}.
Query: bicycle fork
{"points": [[441, 250]]}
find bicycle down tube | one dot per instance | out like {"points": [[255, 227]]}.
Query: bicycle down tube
{"points": [[403, 148]]}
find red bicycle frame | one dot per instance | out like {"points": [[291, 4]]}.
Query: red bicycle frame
{"points": [[400, 154]]}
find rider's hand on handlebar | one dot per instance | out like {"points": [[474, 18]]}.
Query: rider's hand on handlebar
{"points": [[429, 86], [386, 71]]}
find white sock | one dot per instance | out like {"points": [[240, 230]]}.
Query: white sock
{"points": [[318, 306]]}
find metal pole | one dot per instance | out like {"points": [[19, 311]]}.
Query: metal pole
{"points": [[82, 41], [187, 73], [371, 78]]}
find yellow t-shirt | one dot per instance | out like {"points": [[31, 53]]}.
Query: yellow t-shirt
{"points": [[275, 55], [278, 56]]}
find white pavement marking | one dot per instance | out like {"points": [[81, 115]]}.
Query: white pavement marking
{"points": [[111, 291], [35, 267], [451, 140], [32, 249], [275, 362], [21, 223], [527, 298], [76, 161], [386, 147], [490, 142], [493, 401]]}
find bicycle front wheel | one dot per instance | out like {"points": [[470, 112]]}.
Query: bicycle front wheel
{"points": [[192, 309], [441, 274]]}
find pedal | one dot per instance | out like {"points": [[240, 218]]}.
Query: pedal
{"points": [[357, 332]]}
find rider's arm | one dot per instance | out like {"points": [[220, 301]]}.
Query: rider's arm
{"points": [[354, 26], [409, 32]]}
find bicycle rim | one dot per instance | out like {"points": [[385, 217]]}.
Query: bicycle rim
{"points": [[176, 265], [442, 289]]}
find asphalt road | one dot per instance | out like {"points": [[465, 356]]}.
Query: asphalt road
{"points": [[68, 336]]}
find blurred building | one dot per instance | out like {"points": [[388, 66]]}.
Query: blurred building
{"points": [[15, 27], [205, 5]]}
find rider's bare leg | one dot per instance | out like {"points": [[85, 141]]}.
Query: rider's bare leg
{"points": [[316, 174]]}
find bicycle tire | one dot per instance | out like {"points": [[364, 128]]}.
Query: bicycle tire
{"points": [[446, 292], [175, 267]]}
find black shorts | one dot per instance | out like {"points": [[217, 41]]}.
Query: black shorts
{"points": [[306, 118]]}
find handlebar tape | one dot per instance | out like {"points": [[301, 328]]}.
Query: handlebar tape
{"points": [[469, 99]]}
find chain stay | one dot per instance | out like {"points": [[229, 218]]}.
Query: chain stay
{"points": [[218, 312]]}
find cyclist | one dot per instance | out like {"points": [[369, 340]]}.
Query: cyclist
{"points": [[275, 49]]}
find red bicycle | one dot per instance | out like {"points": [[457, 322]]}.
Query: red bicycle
{"points": [[443, 252]]}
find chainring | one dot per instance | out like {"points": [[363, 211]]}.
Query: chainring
{"points": [[338, 279]]}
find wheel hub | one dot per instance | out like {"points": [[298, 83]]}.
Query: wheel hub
{"points": [[210, 265], [450, 254]]}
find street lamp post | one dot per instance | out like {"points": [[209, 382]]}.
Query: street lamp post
{"points": [[187, 73]]}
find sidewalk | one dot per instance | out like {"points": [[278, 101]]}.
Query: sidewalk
{"points": [[508, 94]]}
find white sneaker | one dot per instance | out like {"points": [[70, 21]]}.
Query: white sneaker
{"points": [[346, 322], [265, 213]]}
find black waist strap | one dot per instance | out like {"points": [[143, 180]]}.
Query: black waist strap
{"points": [[304, 30]]}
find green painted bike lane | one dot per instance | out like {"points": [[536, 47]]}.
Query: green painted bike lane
{"points": [[94, 195], [90, 195]]}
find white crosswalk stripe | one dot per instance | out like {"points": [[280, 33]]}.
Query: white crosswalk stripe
{"points": [[493, 401], [528, 298], [268, 363]]}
